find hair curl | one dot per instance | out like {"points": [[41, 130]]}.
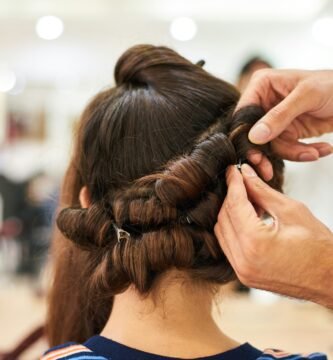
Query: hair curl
{"points": [[152, 152]]}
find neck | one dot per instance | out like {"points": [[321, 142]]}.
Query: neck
{"points": [[175, 317]]}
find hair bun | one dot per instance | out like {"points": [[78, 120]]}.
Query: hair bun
{"points": [[134, 65]]}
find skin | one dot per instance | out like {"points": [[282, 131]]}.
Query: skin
{"points": [[294, 256], [169, 318], [299, 105]]}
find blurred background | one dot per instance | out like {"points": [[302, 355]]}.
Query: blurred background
{"points": [[55, 55]]}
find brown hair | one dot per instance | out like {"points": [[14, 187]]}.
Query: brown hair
{"points": [[152, 152]]}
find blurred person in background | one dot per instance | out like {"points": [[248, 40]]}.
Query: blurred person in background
{"points": [[37, 221], [27, 203], [136, 256], [252, 65], [12, 202]]}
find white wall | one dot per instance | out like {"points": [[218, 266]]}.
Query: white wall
{"points": [[3, 114]]}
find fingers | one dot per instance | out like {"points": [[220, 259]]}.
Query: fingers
{"points": [[236, 202], [239, 225], [234, 217], [298, 151], [281, 116], [289, 149], [239, 228], [262, 194], [295, 150], [255, 156], [257, 86], [324, 149], [261, 163]]}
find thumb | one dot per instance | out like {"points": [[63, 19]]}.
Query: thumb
{"points": [[281, 116], [262, 194]]}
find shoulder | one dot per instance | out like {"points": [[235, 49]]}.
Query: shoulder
{"points": [[271, 354], [70, 351]]}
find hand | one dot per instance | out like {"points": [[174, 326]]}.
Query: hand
{"points": [[299, 105], [293, 256]]}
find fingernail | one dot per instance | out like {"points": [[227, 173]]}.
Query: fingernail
{"points": [[248, 171], [259, 133], [307, 156]]}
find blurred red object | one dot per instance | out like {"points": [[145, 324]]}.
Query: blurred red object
{"points": [[11, 228]]}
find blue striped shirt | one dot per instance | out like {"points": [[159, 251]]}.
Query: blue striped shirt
{"points": [[101, 348]]}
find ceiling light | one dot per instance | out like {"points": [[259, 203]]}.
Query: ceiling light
{"points": [[183, 28], [49, 27]]}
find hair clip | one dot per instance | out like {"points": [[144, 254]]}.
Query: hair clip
{"points": [[239, 165], [201, 63], [185, 219], [121, 234], [188, 219]]}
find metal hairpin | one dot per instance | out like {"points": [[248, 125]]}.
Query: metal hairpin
{"points": [[188, 219], [201, 63], [121, 234], [239, 165]]}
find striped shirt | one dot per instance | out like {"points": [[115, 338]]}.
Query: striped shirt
{"points": [[100, 348]]}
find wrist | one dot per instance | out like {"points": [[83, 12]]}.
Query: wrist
{"points": [[321, 284]]}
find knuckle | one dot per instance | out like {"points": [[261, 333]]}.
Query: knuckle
{"points": [[297, 206], [278, 112], [294, 208], [232, 198], [315, 87], [307, 86], [310, 88], [258, 185], [262, 74], [260, 77]]}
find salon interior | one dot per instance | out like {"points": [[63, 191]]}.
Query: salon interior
{"points": [[56, 54]]}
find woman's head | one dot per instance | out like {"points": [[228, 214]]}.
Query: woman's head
{"points": [[151, 153]]}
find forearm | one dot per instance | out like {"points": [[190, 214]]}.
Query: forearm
{"points": [[306, 276], [307, 271]]}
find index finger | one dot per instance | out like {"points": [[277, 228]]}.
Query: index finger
{"points": [[252, 94], [236, 203], [263, 84]]}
